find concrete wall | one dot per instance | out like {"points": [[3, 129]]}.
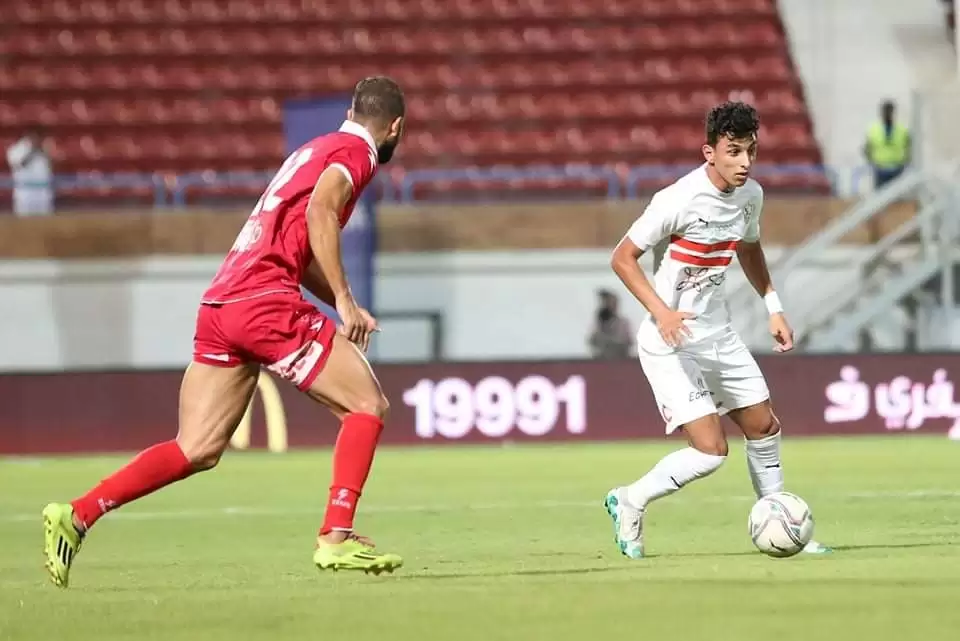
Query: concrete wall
{"points": [[495, 305]]}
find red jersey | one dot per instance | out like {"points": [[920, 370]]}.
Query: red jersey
{"points": [[272, 250]]}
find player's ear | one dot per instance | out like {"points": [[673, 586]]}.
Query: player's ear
{"points": [[708, 153], [396, 127], [350, 113]]}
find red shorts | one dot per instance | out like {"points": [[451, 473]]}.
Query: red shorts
{"points": [[284, 332]]}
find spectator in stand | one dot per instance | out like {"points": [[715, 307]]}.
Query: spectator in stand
{"points": [[612, 337], [887, 148], [32, 176]]}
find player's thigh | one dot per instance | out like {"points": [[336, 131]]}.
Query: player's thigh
{"points": [[301, 345], [684, 398], [213, 399], [347, 384], [740, 388]]}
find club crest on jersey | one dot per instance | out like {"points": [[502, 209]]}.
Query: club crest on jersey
{"points": [[700, 278], [748, 210]]}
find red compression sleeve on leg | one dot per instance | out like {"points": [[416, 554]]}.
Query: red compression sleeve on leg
{"points": [[352, 459], [152, 469]]}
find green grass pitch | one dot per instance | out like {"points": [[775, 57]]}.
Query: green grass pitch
{"points": [[499, 543]]}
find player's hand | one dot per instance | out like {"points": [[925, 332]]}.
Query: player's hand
{"points": [[782, 333], [353, 324], [672, 327], [370, 326], [357, 323]]}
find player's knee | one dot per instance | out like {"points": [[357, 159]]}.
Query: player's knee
{"points": [[770, 425], [373, 404], [714, 447], [706, 435], [763, 425], [202, 456]]}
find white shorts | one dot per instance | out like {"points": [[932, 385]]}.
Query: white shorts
{"points": [[712, 377]]}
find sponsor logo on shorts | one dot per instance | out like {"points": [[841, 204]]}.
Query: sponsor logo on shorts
{"points": [[297, 366], [702, 390]]}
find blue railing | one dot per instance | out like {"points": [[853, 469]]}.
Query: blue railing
{"points": [[629, 182], [405, 190]]}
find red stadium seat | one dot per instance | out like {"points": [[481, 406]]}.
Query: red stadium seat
{"points": [[194, 85]]}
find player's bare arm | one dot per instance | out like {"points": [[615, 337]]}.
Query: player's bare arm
{"points": [[317, 285], [331, 194], [754, 265], [669, 321]]}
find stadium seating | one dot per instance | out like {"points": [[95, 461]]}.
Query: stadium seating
{"points": [[174, 86]]}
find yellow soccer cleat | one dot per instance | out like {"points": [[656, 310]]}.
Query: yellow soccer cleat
{"points": [[354, 553], [61, 542]]}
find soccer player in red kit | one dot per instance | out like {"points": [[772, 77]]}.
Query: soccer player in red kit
{"points": [[254, 315]]}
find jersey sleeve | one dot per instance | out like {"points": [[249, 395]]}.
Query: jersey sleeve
{"points": [[662, 218], [752, 232], [357, 163]]}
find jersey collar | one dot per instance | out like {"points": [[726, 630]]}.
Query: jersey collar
{"points": [[357, 129]]}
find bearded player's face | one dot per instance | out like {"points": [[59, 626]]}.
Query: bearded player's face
{"points": [[389, 145]]}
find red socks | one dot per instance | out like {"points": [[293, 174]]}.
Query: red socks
{"points": [[152, 469], [352, 459], [165, 463]]}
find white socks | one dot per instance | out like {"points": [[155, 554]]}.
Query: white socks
{"points": [[763, 461], [684, 466], [670, 474]]}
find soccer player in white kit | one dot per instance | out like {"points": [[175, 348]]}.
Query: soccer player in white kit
{"points": [[697, 365]]}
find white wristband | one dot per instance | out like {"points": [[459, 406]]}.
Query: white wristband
{"points": [[772, 301]]}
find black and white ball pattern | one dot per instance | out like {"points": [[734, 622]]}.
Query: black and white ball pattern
{"points": [[780, 524]]}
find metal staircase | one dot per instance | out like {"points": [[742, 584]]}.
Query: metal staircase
{"points": [[834, 315]]}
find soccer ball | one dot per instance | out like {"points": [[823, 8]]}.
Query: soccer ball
{"points": [[780, 524]]}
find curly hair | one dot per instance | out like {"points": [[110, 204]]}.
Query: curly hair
{"points": [[731, 120]]}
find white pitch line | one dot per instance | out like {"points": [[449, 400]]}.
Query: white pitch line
{"points": [[221, 512]]}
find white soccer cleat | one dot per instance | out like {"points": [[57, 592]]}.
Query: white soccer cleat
{"points": [[627, 523]]}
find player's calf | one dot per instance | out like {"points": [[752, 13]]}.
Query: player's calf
{"points": [[707, 452], [349, 388], [626, 505], [212, 402], [761, 431]]}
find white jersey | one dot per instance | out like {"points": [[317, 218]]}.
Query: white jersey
{"points": [[703, 226], [32, 179]]}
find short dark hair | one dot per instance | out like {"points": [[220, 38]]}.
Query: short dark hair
{"points": [[379, 98], [731, 120]]}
